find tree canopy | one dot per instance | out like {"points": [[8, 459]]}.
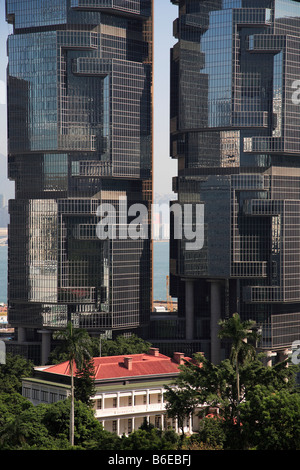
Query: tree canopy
{"points": [[242, 402]]}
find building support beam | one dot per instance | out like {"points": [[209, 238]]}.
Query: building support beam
{"points": [[46, 346], [215, 317], [189, 308]]}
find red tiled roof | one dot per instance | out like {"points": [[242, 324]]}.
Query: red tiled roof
{"points": [[114, 366]]}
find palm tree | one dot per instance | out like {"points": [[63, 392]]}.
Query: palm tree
{"points": [[77, 345], [238, 332]]}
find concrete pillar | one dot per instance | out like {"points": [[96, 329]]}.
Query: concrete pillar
{"points": [[189, 309], [21, 334], [46, 346], [268, 359], [215, 317]]}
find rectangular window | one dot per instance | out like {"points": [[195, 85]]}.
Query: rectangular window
{"points": [[53, 397], [129, 426], [26, 392], [99, 404]]}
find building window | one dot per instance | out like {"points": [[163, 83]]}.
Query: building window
{"points": [[130, 401], [129, 426], [114, 426], [157, 421], [53, 397], [99, 404], [35, 394], [26, 392], [114, 403]]}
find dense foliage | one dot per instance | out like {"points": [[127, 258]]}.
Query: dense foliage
{"points": [[258, 406]]}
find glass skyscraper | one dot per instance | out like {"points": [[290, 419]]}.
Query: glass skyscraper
{"points": [[79, 137], [235, 132]]}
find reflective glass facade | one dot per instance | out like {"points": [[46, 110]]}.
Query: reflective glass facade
{"points": [[234, 124], [79, 135]]}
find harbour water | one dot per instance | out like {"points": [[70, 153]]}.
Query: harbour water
{"points": [[160, 268]]}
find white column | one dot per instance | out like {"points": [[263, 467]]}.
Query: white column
{"points": [[268, 358], [191, 424]]}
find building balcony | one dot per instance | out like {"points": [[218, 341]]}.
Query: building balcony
{"points": [[130, 410]]}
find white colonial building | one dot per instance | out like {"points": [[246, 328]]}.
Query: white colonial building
{"points": [[128, 389]]}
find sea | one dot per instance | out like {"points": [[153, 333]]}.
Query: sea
{"points": [[160, 270]]}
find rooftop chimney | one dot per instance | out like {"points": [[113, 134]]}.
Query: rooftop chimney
{"points": [[128, 362], [178, 357], [154, 352]]}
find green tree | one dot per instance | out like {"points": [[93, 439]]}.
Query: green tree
{"points": [[212, 432], [123, 345], [89, 433], [77, 345], [12, 372], [85, 382], [12, 405], [180, 404], [149, 439], [271, 420], [239, 333], [209, 385]]}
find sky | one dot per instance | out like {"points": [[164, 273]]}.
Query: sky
{"points": [[164, 167]]}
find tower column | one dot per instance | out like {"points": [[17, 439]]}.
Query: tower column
{"points": [[46, 346], [215, 316], [21, 334], [189, 308]]}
